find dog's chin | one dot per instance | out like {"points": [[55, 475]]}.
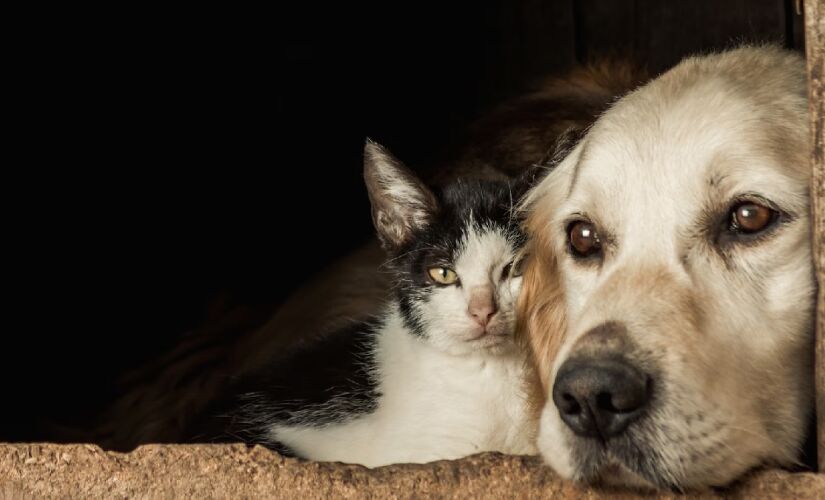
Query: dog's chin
{"points": [[616, 475], [618, 465]]}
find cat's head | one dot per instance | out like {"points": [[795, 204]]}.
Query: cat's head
{"points": [[452, 251]]}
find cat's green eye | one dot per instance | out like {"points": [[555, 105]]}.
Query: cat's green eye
{"points": [[519, 264], [513, 270], [443, 275]]}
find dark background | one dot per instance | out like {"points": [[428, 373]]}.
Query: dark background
{"points": [[203, 158]]}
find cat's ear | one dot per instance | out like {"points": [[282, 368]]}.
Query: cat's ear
{"points": [[401, 203]]}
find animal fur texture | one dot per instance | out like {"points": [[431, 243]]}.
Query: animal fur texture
{"points": [[712, 318], [438, 374]]}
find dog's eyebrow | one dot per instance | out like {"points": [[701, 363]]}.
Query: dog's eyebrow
{"points": [[716, 179], [577, 168]]}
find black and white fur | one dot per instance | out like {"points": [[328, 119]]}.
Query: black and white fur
{"points": [[430, 378]]}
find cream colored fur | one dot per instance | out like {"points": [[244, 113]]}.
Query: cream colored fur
{"points": [[729, 330]]}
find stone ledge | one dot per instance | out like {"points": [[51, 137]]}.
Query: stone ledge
{"points": [[235, 471]]}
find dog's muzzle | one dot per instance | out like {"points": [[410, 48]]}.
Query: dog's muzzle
{"points": [[598, 391]]}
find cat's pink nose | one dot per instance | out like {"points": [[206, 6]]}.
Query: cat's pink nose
{"points": [[482, 305], [483, 315]]}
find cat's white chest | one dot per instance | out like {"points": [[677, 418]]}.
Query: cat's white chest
{"points": [[454, 408], [433, 406]]}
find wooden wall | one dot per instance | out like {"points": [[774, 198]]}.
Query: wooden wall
{"points": [[815, 34]]}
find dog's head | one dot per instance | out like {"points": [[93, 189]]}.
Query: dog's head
{"points": [[669, 294]]}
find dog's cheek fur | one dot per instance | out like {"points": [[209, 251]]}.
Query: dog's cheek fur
{"points": [[541, 323], [768, 300], [541, 307]]}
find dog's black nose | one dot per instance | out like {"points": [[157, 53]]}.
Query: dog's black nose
{"points": [[600, 397]]}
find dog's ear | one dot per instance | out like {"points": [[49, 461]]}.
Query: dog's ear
{"points": [[401, 203], [553, 185], [564, 146], [527, 179], [541, 323]]}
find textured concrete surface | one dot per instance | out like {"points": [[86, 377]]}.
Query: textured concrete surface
{"points": [[235, 471]]}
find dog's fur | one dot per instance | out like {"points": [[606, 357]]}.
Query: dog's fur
{"points": [[723, 327]]}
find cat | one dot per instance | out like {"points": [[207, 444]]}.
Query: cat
{"points": [[438, 374], [167, 400]]}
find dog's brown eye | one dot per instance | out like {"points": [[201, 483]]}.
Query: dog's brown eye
{"points": [[584, 240], [751, 217]]}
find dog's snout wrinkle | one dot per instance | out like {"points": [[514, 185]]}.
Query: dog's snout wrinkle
{"points": [[600, 397], [610, 336]]}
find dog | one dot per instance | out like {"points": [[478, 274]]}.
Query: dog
{"points": [[668, 297]]}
